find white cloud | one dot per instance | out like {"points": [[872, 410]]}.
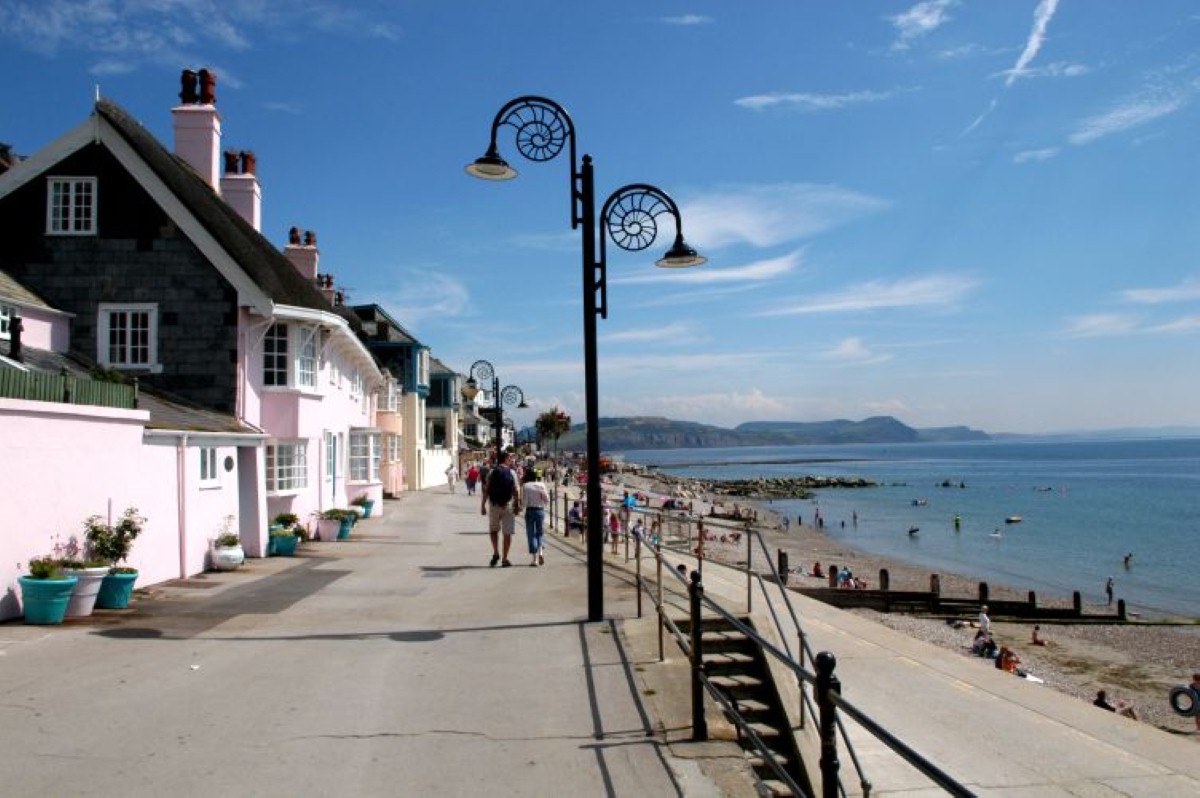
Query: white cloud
{"points": [[1184, 325], [805, 101], [688, 19], [666, 334], [852, 350], [765, 216], [1059, 69], [935, 291], [758, 271], [1100, 324], [1044, 154], [923, 18], [709, 408], [1037, 36], [1132, 113], [426, 294], [1186, 291]]}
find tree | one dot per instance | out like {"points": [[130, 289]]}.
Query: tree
{"points": [[551, 424]]}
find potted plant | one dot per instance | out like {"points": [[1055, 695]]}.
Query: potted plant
{"points": [[46, 591], [89, 573], [227, 553], [365, 503], [283, 535], [336, 523], [111, 543]]}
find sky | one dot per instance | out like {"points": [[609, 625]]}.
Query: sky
{"points": [[948, 211]]}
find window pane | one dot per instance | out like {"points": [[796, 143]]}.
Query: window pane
{"points": [[118, 337], [275, 355]]}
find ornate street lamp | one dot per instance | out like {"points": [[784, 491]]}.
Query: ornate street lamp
{"points": [[542, 128], [508, 395]]}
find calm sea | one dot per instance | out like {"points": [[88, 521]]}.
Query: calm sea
{"points": [[1083, 504]]}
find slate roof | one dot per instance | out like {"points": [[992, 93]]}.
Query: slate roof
{"points": [[15, 292], [255, 254], [372, 316]]}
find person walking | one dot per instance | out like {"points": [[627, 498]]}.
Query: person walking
{"points": [[535, 497], [500, 502], [472, 478], [1108, 590], [451, 477], [985, 623]]}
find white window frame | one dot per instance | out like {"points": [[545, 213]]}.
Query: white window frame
{"points": [[7, 312], [331, 451], [392, 447], [209, 475], [71, 206], [364, 455], [423, 367], [356, 384], [308, 365], [275, 361], [391, 396], [104, 329], [287, 467]]}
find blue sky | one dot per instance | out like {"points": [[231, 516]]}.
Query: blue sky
{"points": [[950, 211]]}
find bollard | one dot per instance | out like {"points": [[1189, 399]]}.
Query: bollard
{"points": [[833, 575], [1032, 599], [1077, 602], [885, 579], [782, 557], [983, 592], [699, 722], [1121, 610], [828, 686], [935, 584]]}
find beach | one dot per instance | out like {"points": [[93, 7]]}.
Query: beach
{"points": [[1137, 662]]}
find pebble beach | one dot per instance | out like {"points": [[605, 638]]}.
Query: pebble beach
{"points": [[1137, 662]]}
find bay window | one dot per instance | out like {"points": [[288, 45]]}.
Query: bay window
{"points": [[364, 455], [287, 466]]}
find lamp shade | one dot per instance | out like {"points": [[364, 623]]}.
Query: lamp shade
{"points": [[680, 256], [491, 166]]}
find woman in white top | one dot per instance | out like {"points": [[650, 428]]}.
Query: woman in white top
{"points": [[534, 498]]}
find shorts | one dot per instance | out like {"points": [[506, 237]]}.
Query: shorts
{"points": [[501, 519]]}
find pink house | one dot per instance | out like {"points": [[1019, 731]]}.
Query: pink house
{"points": [[258, 396]]}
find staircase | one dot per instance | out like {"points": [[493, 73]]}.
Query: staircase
{"points": [[736, 666]]}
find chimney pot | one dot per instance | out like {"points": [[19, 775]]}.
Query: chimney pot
{"points": [[188, 95], [15, 326], [208, 87], [310, 238], [249, 162], [231, 162], [294, 236]]}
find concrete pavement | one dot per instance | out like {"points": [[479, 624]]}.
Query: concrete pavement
{"points": [[395, 663]]}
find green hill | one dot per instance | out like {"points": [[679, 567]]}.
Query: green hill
{"points": [[653, 432]]}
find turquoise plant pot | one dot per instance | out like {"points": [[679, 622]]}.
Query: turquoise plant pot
{"points": [[115, 591], [344, 528], [283, 545], [45, 601], [368, 506]]}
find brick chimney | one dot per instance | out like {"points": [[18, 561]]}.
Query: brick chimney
{"points": [[304, 256], [198, 125], [240, 187]]}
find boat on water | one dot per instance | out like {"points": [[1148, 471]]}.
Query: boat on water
{"points": [[1013, 519], [912, 530]]}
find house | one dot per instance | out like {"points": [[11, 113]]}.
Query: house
{"points": [[72, 447], [157, 260], [430, 429]]}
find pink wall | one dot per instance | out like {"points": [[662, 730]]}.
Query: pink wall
{"points": [[60, 464]]}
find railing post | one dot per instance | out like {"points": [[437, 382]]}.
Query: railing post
{"points": [[637, 549], [662, 654], [800, 679], [750, 568], [699, 722], [828, 686]]}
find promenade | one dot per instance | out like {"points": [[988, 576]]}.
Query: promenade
{"points": [[399, 663]]}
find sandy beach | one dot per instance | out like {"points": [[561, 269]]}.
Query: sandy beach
{"points": [[1136, 662]]}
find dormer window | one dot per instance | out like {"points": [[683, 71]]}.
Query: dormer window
{"points": [[71, 206], [6, 316]]}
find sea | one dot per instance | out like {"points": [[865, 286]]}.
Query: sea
{"points": [[1083, 505]]}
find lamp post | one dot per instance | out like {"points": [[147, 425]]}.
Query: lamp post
{"points": [[508, 395], [629, 216]]}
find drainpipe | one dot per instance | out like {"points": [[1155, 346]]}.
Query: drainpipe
{"points": [[180, 471]]}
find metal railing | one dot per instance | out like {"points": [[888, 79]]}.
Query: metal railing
{"points": [[69, 389]]}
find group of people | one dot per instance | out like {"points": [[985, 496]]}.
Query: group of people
{"points": [[504, 495]]}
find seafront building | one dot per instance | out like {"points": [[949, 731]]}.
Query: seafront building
{"points": [[234, 381]]}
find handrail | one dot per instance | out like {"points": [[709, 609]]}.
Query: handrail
{"points": [[903, 750]]}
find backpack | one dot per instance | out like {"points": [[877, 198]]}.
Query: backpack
{"points": [[501, 486]]}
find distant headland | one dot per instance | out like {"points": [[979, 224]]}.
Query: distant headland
{"points": [[655, 432]]}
